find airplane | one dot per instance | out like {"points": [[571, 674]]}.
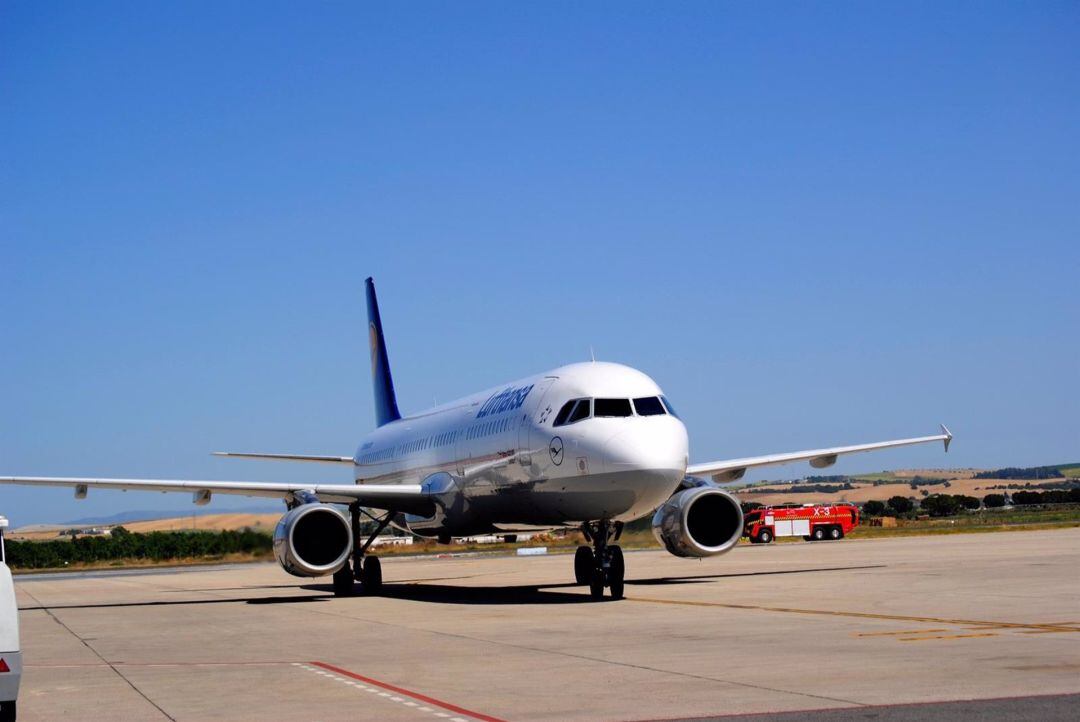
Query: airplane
{"points": [[590, 445]]}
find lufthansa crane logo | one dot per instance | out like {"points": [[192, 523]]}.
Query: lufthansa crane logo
{"points": [[555, 448]]}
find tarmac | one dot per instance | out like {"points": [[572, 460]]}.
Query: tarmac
{"points": [[966, 626]]}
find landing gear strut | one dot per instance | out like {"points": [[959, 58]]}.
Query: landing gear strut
{"points": [[366, 570], [602, 566]]}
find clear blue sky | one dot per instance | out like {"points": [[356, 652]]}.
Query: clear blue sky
{"points": [[810, 223]]}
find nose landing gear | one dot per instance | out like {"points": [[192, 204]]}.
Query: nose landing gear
{"points": [[603, 565]]}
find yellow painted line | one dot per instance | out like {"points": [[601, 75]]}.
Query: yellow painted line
{"points": [[946, 636], [863, 615], [892, 634]]}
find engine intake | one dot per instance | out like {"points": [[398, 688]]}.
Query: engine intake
{"points": [[700, 522], [313, 540]]}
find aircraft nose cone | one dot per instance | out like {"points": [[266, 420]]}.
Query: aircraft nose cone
{"points": [[652, 444]]}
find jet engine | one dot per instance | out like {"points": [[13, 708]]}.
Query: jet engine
{"points": [[313, 540], [699, 522]]}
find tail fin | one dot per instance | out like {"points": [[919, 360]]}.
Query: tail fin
{"points": [[386, 409]]}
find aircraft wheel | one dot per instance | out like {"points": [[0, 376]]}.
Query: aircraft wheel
{"points": [[596, 583], [616, 572], [372, 581], [583, 564], [764, 536], [343, 582], [819, 533]]}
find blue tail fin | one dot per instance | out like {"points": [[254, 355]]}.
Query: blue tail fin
{"points": [[386, 409]]}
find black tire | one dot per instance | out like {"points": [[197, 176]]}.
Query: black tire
{"points": [[7, 711], [807, 538], [616, 572], [583, 564], [343, 582], [596, 584], [764, 536], [818, 533], [372, 577], [836, 533]]}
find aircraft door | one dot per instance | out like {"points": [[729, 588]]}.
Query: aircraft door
{"points": [[535, 411]]}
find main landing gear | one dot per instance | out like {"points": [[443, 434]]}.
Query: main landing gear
{"points": [[602, 566], [366, 570]]}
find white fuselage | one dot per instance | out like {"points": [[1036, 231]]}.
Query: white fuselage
{"points": [[515, 469]]}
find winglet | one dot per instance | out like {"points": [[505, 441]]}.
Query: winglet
{"points": [[948, 436]]}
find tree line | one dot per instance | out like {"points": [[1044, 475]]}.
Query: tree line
{"points": [[1013, 472], [951, 504], [155, 546]]}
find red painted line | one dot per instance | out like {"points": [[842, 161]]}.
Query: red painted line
{"points": [[408, 693]]}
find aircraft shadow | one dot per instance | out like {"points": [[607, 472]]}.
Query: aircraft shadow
{"points": [[424, 591], [543, 593], [181, 602], [703, 578]]}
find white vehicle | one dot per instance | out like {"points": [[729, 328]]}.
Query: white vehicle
{"points": [[589, 445], [10, 654]]}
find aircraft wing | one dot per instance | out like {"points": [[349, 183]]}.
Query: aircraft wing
{"points": [[733, 469], [288, 457], [409, 498]]}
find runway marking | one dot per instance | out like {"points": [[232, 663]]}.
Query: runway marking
{"points": [[392, 693], [902, 632], [947, 636], [979, 624]]}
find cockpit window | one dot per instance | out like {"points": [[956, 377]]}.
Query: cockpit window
{"points": [[581, 411], [669, 407], [613, 407], [564, 412], [572, 411], [649, 406]]}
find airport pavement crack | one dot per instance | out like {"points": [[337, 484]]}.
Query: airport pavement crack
{"points": [[110, 665]]}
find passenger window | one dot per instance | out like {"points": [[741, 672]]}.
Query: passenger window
{"points": [[649, 406], [613, 407], [669, 407], [581, 411]]}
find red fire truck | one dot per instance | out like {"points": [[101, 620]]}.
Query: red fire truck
{"points": [[813, 522]]}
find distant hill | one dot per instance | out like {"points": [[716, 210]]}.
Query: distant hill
{"points": [[128, 516]]}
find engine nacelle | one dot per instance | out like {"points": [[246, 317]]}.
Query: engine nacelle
{"points": [[699, 522], [313, 540]]}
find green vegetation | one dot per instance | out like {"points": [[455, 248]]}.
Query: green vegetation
{"points": [[900, 504], [1031, 472], [1018, 519], [124, 546]]}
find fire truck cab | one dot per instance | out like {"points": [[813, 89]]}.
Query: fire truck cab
{"points": [[813, 522]]}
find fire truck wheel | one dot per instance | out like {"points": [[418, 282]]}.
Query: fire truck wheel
{"points": [[819, 533], [583, 565], [806, 538], [764, 536], [7, 711], [836, 533]]}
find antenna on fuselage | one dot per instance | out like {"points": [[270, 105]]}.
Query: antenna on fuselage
{"points": [[592, 354]]}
